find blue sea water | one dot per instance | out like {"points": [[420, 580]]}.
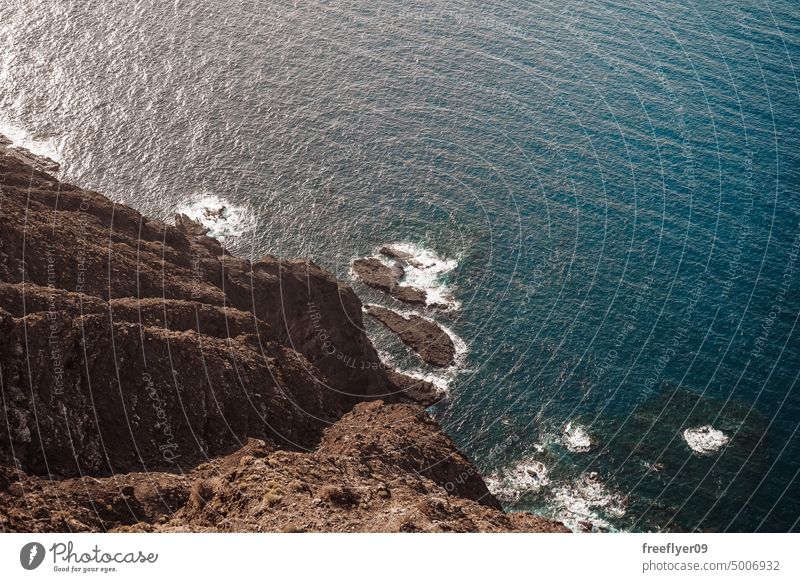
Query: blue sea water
{"points": [[616, 181]]}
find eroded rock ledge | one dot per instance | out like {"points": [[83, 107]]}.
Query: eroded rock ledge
{"points": [[151, 381], [426, 337], [375, 273]]}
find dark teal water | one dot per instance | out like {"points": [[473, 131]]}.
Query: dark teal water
{"points": [[618, 183]]}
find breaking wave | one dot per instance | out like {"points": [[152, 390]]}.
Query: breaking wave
{"points": [[426, 270], [705, 440], [527, 476], [222, 219], [586, 503], [576, 439]]}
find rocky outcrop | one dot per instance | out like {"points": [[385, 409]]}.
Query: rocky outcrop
{"points": [[425, 337], [375, 273], [410, 389], [152, 381], [92, 390]]}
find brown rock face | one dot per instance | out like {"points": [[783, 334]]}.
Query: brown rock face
{"points": [[152, 381], [395, 253], [424, 336], [129, 344]]}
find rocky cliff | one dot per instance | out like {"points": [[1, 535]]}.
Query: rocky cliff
{"points": [[152, 381]]}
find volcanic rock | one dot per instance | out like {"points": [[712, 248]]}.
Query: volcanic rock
{"points": [[432, 343], [381, 468], [414, 389], [190, 226], [375, 273]]}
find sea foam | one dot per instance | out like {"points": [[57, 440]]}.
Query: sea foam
{"points": [[220, 217], [587, 501], [46, 147], [526, 476], [705, 440], [424, 269], [576, 439]]}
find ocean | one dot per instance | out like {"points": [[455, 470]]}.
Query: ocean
{"points": [[604, 193]]}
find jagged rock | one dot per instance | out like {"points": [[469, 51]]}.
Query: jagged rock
{"points": [[432, 343], [402, 256], [414, 389], [190, 226], [375, 273]]}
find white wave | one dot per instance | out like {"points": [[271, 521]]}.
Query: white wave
{"points": [[525, 477], [705, 440], [424, 270], [586, 501], [576, 439], [220, 217], [46, 147], [459, 344]]}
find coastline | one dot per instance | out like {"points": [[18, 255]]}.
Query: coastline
{"points": [[227, 409]]}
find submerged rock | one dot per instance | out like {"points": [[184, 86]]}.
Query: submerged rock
{"points": [[427, 338], [576, 439]]}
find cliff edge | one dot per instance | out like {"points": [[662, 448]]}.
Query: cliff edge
{"points": [[152, 381]]}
